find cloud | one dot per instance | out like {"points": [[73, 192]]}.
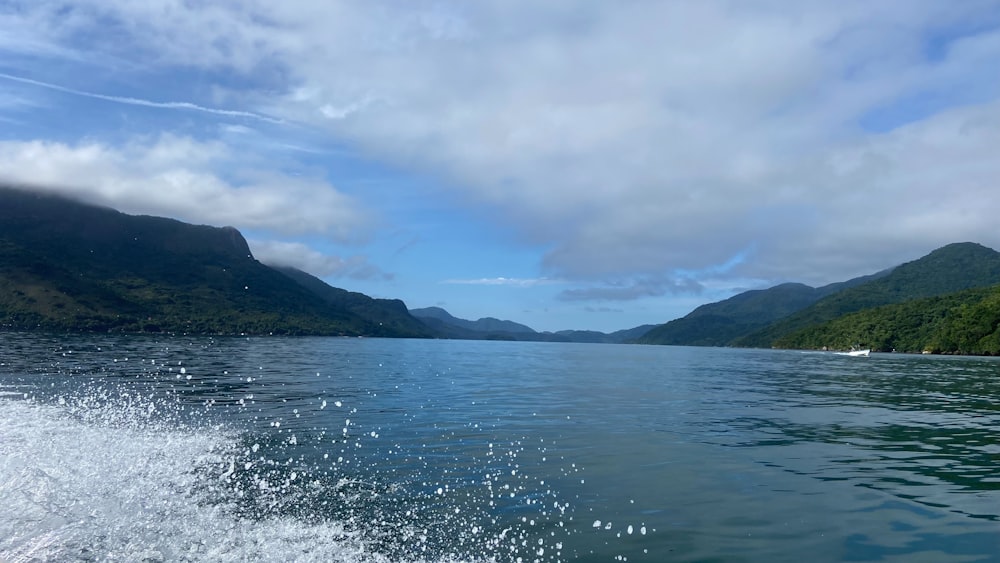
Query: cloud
{"points": [[514, 282], [632, 138], [603, 310], [632, 289], [302, 257], [139, 101], [187, 179]]}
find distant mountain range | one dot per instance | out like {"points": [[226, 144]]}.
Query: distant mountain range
{"points": [[444, 322], [67, 266], [444, 325]]}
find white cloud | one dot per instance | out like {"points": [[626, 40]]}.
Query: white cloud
{"points": [[631, 138], [186, 179], [307, 259]]}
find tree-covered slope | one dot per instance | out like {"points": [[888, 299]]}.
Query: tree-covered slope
{"points": [[69, 266], [966, 322], [722, 322], [716, 324], [391, 315], [949, 269]]}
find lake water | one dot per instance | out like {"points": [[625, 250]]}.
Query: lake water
{"points": [[357, 450]]}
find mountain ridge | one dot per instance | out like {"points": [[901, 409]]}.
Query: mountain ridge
{"points": [[948, 269], [484, 324], [766, 318], [719, 323], [68, 265], [446, 325]]}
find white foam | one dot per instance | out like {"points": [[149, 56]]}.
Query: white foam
{"points": [[106, 484]]}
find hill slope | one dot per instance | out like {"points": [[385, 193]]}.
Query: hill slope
{"points": [[486, 324], [722, 322], [70, 266], [716, 324], [949, 269], [390, 314], [965, 322]]}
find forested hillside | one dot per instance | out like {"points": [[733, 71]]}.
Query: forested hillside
{"points": [[966, 322], [949, 269], [69, 266]]}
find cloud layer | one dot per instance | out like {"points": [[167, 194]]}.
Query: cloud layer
{"points": [[819, 140], [196, 181], [307, 259]]}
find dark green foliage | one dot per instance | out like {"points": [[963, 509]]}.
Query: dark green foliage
{"points": [[952, 268], [965, 322], [74, 267]]}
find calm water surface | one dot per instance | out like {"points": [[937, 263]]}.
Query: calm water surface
{"points": [[357, 450]]}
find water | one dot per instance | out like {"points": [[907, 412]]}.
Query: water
{"points": [[357, 450]]}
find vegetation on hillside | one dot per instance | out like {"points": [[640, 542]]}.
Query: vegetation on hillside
{"points": [[68, 266], [717, 324], [720, 323], [966, 322], [949, 269]]}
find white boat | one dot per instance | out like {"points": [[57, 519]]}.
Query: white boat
{"points": [[862, 353]]}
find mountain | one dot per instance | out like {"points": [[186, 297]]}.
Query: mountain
{"points": [[65, 265], [965, 322], [444, 325], [391, 314], [630, 335], [949, 269], [626, 336], [486, 324], [722, 322]]}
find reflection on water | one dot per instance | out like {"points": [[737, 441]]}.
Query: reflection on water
{"points": [[407, 450]]}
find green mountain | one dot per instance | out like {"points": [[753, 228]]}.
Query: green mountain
{"points": [[68, 266], [965, 322], [949, 269], [720, 323], [390, 314]]}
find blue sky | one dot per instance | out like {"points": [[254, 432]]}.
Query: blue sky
{"points": [[588, 165]]}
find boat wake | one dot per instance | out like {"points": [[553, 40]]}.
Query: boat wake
{"points": [[120, 482]]}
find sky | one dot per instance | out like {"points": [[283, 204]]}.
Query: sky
{"points": [[568, 165]]}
